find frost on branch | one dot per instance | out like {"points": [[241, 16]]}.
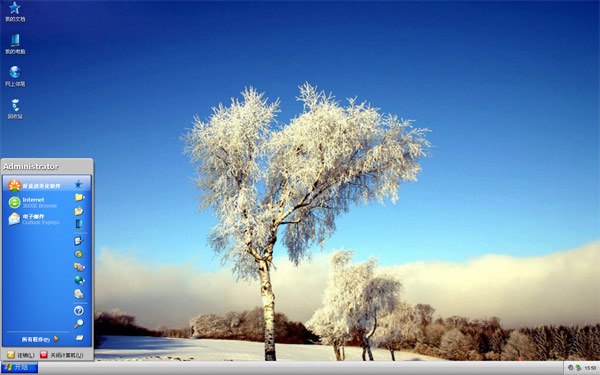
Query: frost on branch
{"points": [[355, 300], [397, 327], [229, 153], [298, 177]]}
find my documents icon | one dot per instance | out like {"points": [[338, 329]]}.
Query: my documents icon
{"points": [[79, 197], [78, 211]]}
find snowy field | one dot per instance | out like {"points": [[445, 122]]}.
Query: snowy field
{"points": [[135, 348]]}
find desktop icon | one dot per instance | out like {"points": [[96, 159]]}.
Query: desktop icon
{"points": [[79, 323], [78, 266], [43, 354], [79, 338], [78, 293], [10, 354], [14, 185], [79, 280], [78, 310], [15, 40], [14, 202], [15, 105], [14, 219], [15, 71], [78, 240], [79, 197], [78, 254], [14, 8], [78, 211], [78, 223]]}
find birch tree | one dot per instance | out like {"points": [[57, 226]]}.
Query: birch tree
{"points": [[354, 301], [268, 181], [381, 294], [326, 324], [401, 324], [333, 322]]}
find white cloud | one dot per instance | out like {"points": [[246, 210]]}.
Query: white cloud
{"points": [[562, 287], [171, 295], [558, 288]]}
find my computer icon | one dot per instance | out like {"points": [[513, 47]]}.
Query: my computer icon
{"points": [[15, 40]]}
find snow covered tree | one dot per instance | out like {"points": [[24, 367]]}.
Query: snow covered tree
{"points": [[519, 347], [542, 341], [266, 181], [330, 322], [497, 340], [354, 301], [402, 323], [381, 295], [455, 345], [424, 313], [330, 329], [433, 333], [560, 350]]}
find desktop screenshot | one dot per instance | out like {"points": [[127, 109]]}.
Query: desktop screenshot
{"points": [[299, 187]]}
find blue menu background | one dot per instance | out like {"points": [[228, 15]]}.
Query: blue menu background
{"points": [[38, 274]]}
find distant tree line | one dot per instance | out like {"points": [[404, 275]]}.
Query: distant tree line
{"points": [[248, 326], [118, 323], [460, 338]]}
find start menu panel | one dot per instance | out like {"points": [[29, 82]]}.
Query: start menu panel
{"points": [[47, 259]]}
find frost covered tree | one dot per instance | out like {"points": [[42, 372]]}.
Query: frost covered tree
{"points": [[330, 322], [455, 345], [402, 323], [497, 340], [326, 324], [381, 295], [354, 301], [424, 313], [519, 347], [267, 181]]}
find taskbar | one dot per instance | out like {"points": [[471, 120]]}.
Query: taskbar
{"points": [[312, 368]]}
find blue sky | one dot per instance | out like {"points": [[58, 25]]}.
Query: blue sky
{"points": [[510, 91]]}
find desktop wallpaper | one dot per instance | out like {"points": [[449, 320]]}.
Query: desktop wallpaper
{"points": [[499, 234]]}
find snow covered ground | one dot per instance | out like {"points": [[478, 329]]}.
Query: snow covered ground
{"points": [[135, 348]]}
